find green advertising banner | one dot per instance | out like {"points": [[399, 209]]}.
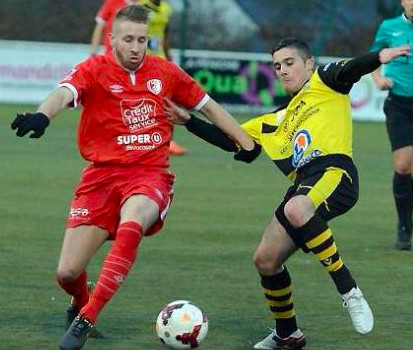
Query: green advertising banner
{"points": [[244, 82]]}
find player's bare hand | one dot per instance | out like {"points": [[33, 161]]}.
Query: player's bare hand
{"points": [[386, 55], [384, 83], [176, 114]]}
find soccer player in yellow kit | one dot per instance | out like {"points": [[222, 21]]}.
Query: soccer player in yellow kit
{"points": [[310, 141], [158, 26], [158, 30]]}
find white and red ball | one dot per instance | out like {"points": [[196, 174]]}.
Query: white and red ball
{"points": [[181, 325]]}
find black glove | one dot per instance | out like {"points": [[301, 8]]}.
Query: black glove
{"points": [[248, 156], [37, 122]]}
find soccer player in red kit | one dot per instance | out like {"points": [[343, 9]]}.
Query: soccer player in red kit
{"points": [[158, 20], [124, 132]]}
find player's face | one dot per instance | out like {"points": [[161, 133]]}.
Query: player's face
{"points": [[292, 70], [408, 8], [129, 42]]}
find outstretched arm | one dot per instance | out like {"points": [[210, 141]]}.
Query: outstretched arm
{"points": [[354, 69], [209, 133], [341, 76], [48, 109], [56, 101], [223, 120], [206, 131]]}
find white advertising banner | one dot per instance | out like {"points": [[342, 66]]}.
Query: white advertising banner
{"points": [[367, 100], [29, 71]]}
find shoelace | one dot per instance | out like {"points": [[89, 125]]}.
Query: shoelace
{"points": [[79, 327], [354, 309]]}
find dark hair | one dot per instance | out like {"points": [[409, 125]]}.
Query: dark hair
{"points": [[133, 13], [298, 44]]}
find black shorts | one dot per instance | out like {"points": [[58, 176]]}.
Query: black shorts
{"points": [[334, 191], [399, 120]]}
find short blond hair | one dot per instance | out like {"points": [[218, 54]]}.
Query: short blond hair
{"points": [[133, 13]]}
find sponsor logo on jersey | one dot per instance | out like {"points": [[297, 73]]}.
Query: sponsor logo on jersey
{"points": [[140, 142], [115, 88], [307, 159], [302, 141], [156, 138], [154, 86], [138, 114], [78, 212]]}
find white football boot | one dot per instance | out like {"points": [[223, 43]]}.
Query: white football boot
{"points": [[296, 340], [359, 310]]}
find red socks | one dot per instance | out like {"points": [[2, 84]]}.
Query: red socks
{"points": [[116, 267], [78, 289]]}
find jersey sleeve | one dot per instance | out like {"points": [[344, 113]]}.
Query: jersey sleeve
{"points": [[105, 12], [253, 128], [185, 90], [381, 40], [329, 74], [78, 81], [342, 75]]}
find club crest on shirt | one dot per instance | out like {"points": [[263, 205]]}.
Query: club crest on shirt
{"points": [[154, 86], [302, 141]]}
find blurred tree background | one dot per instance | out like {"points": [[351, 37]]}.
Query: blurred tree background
{"points": [[334, 27], [48, 20]]}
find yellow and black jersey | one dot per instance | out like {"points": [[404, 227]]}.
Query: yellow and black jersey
{"points": [[158, 22], [315, 123], [314, 131]]}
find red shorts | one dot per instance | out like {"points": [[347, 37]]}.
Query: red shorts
{"points": [[103, 189]]}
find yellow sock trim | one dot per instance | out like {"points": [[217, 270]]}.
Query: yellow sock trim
{"points": [[336, 266], [279, 302], [285, 314], [327, 253], [319, 239], [277, 292]]}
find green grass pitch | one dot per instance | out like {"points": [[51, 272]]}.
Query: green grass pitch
{"points": [[204, 252]]}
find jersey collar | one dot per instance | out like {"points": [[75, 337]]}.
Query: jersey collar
{"points": [[406, 18]]}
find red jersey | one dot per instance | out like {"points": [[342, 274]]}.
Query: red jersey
{"points": [[123, 119], [106, 15]]}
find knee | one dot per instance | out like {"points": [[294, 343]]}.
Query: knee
{"points": [[267, 265], [295, 212], [403, 164], [67, 274], [402, 169]]}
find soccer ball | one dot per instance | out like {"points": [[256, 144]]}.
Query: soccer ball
{"points": [[181, 325]]}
